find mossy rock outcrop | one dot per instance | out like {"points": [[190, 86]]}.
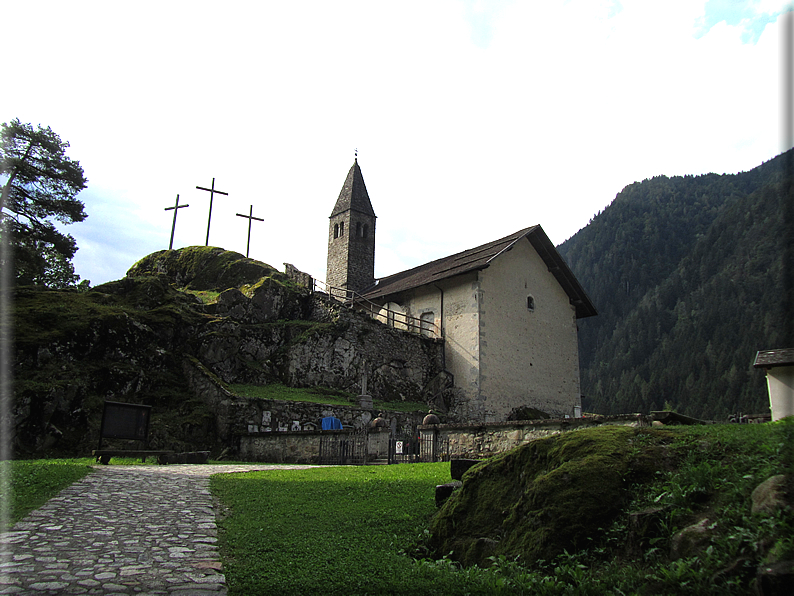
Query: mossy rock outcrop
{"points": [[205, 268], [245, 322], [546, 496]]}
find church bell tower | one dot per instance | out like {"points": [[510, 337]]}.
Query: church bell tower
{"points": [[351, 237]]}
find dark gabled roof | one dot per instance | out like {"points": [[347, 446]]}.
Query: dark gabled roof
{"points": [[479, 258], [353, 195], [772, 358]]}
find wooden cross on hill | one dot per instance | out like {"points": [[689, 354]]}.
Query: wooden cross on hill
{"points": [[250, 217], [176, 208], [212, 192]]}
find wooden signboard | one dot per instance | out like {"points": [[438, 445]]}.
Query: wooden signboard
{"points": [[125, 421]]}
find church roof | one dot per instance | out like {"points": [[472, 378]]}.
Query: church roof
{"points": [[479, 258], [353, 195]]}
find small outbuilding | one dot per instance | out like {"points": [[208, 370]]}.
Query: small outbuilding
{"points": [[779, 366]]}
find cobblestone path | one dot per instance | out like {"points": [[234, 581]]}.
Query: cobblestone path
{"points": [[121, 530]]}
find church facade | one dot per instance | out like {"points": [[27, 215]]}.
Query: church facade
{"points": [[507, 312]]}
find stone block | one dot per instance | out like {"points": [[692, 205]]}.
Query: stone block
{"points": [[444, 491], [458, 467]]}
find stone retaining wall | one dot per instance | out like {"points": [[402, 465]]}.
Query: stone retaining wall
{"points": [[291, 422], [303, 447], [483, 440], [289, 432]]}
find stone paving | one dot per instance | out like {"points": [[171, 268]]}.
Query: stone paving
{"points": [[122, 530]]}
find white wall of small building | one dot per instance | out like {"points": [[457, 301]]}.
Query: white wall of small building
{"points": [[780, 382]]}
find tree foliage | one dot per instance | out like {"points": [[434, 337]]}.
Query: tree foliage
{"points": [[41, 187], [689, 277]]}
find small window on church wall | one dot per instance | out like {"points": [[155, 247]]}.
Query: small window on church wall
{"points": [[365, 233], [358, 229], [336, 231], [530, 304], [341, 229]]}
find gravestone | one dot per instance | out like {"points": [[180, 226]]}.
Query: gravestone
{"points": [[364, 400]]}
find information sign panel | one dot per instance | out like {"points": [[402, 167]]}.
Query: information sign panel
{"points": [[125, 421]]}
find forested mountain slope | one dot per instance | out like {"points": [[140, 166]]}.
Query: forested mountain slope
{"points": [[687, 274]]}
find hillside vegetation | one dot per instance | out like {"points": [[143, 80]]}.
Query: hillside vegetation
{"points": [[630, 510], [691, 277], [242, 321]]}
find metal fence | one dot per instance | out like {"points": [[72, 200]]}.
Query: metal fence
{"points": [[353, 449], [410, 450], [343, 449]]}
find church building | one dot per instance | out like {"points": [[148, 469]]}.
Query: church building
{"points": [[507, 311]]}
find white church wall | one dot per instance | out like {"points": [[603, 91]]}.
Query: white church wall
{"points": [[528, 338], [461, 320]]}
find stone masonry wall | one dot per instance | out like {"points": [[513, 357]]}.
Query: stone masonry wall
{"points": [[240, 420], [484, 440]]}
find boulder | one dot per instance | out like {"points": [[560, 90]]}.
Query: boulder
{"points": [[776, 579], [769, 495], [692, 539]]}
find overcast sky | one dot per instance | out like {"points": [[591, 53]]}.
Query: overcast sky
{"points": [[472, 119]]}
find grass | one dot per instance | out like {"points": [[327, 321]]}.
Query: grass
{"points": [[206, 296], [335, 530], [365, 530], [34, 482], [318, 395]]}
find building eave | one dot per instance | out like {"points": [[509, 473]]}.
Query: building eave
{"points": [[479, 258], [774, 358]]}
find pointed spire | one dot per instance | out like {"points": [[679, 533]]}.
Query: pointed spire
{"points": [[354, 196]]}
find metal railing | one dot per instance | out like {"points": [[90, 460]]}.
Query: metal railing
{"points": [[395, 319], [424, 448], [344, 449]]}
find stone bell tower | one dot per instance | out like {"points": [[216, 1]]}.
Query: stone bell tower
{"points": [[351, 236]]}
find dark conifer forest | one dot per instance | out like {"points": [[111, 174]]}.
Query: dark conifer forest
{"points": [[691, 275]]}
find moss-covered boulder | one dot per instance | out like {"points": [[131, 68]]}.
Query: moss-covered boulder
{"points": [[546, 496]]}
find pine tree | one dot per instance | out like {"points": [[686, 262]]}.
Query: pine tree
{"points": [[41, 186]]}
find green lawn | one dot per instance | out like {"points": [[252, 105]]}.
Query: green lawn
{"points": [[33, 482], [333, 530], [346, 530], [343, 530]]}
